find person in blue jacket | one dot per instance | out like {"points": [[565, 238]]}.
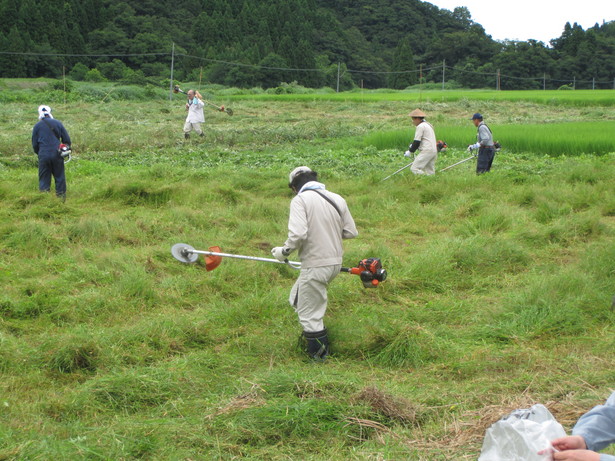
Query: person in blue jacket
{"points": [[47, 136], [594, 431]]}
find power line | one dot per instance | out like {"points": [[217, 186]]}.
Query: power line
{"points": [[291, 69]]}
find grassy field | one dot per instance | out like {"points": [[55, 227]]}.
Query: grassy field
{"points": [[557, 98], [499, 292]]}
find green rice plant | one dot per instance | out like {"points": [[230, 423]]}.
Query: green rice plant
{"points": [[580, 98], [573, 138]]}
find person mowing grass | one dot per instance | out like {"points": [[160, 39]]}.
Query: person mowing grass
{"points": [[484, 144], [425, 142], [318, 222], [47, 136], [195, 116]]}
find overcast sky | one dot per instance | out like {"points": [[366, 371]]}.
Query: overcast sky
{"points": [[541, 20]]}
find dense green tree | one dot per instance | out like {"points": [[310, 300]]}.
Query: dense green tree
{"points": [[403, 68], [14, 65], [78, 72], [270, 72], [522, 64], [370, 38]]}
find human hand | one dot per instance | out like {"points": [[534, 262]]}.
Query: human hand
{"points": [[187, 106], [198, 95], [577, 455], [569, 442], [407, 154], [280, 253]]}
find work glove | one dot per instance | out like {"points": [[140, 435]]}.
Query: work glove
{"points": [[408, 154], [280, 253], [471, 147]]}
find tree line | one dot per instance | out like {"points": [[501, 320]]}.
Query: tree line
{"points": [[248, 43]]}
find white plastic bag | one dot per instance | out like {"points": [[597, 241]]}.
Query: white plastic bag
{"points": [[520, 435]]}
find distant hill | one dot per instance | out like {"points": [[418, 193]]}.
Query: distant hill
{"points": [[262, 43]]}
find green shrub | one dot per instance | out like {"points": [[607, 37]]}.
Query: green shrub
{"points": [[94, 75]]}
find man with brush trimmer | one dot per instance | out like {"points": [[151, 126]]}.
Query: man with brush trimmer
{"points": [[195, 117], [318, 222]]}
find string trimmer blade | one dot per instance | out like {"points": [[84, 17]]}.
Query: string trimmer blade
{"points": [[229, 111], [213, 261], [184, 253]]}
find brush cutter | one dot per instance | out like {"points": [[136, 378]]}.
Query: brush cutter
{"points": [[401, 169], [458, 163], [369, 270], [65, 152], [228, 110]]}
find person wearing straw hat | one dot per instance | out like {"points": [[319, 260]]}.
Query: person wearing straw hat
{"points": [[319, 220], [47, 135], [425, 142]]}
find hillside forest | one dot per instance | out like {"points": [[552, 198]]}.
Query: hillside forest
{"points": [[317, 43]]}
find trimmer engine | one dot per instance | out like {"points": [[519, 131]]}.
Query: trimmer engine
{"points": [[370, 270]]}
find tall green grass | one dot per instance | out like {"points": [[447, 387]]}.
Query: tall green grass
{"points": [[499, 292], [554, 139]]}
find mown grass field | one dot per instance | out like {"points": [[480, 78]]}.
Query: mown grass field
{"points": [[499, 294]]}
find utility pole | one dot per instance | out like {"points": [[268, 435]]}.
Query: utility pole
{"points": [[497, 83], [443, 70], [338, 78], [421, 83], [544, 82], [172, 63]]}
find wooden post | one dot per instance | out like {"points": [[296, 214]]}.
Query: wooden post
{"points": [[172, 64]]}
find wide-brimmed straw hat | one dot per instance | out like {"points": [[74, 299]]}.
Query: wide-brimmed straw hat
{"points": [[417, 113]]}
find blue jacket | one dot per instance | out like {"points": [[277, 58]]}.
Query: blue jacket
{"points": [[45, 142], [597, 427]]}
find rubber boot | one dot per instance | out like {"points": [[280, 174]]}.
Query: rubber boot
{"points": [[186, 135], [317, 344]]}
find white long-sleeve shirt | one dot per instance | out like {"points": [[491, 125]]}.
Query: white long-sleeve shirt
{"points": [[195, 111], [316, 229]]}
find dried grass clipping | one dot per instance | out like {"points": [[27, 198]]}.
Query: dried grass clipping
{"points": [[395, 408]]}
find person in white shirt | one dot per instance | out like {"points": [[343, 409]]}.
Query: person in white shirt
{"points": [[425, 142], [318, 222], [195, 117]]}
